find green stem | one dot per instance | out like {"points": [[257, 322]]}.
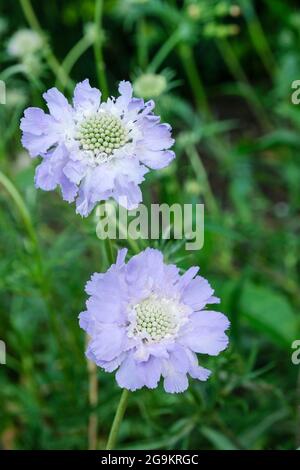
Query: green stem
{"points": [[12, 70], [25, 216], [109, 251], [203, 180], [164, 51], [50, 57], [238, 73], [258, 37], [20, 68], [142, 50], [186, 54], [100, 65], [40, 276], [112, 438], [75, 53], [191, 70]]}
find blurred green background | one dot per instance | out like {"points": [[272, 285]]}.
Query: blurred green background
{"points": [[220, 73]]}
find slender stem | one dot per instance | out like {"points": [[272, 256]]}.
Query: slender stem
{"points": [[258, 37], [20, 68], [75, 53], [24, 213], [217, 147], [93, 400], [117, 420], [237, 71], [164, 51], [142, 50], [40, 275], [99, 37], [133, 243], [202, 178], [109, 251], [50, 57], [190, 66], [12, 70]]}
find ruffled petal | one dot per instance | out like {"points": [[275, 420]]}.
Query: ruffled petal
{"points": [[125, 90], [186, 278], [197, 293], [133, 375], [151, 372], [127, 193], [108, 342], [97, 185], [128, 375], [48, 173], [110, 366], [69, 190], [75, 170], [57, 104], [39, 131], [175, 370], [107, 302], [144, 273], [158, 137], [196, 371], [204, 333], [156, 159], [86, 98], [176, 383]]}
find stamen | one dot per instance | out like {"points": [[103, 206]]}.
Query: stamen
{"points": [[102, 134], [154, 318]]}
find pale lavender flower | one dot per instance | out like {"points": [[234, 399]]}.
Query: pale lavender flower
{"points": [[95, 150], [147, 321]]}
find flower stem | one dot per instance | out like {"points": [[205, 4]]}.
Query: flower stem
{"points": [[142, 46], [203, 180], [50, 57], [40, 276], [190, 66], [100, 65], [112, 438], [75, 53], [93, 401], [164, 51], [109, 251]]}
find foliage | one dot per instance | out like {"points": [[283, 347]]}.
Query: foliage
{"points": [[227, 94]]}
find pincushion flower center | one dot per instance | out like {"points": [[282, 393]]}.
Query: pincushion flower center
{"points": [[154, 318], [102, 134]]}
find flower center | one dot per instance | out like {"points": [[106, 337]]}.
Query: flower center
{"points": [[154, 318], [102, 134]]}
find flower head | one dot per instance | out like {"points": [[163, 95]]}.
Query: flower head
{"points": [[24, 42], [147, 321], [95, 150], [150, 85]]}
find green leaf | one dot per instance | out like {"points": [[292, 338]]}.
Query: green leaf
{"points": [[270, 313], [218, 439]]}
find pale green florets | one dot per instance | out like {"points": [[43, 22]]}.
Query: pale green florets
{"points": [[150, 85], [153, 318], [102, 134]]}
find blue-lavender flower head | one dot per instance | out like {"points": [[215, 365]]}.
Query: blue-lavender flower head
{"points": [[95, 150], [147, 321]]}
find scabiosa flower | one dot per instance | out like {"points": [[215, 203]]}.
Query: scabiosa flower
{"points": [[147, 321], [95, 150]]}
